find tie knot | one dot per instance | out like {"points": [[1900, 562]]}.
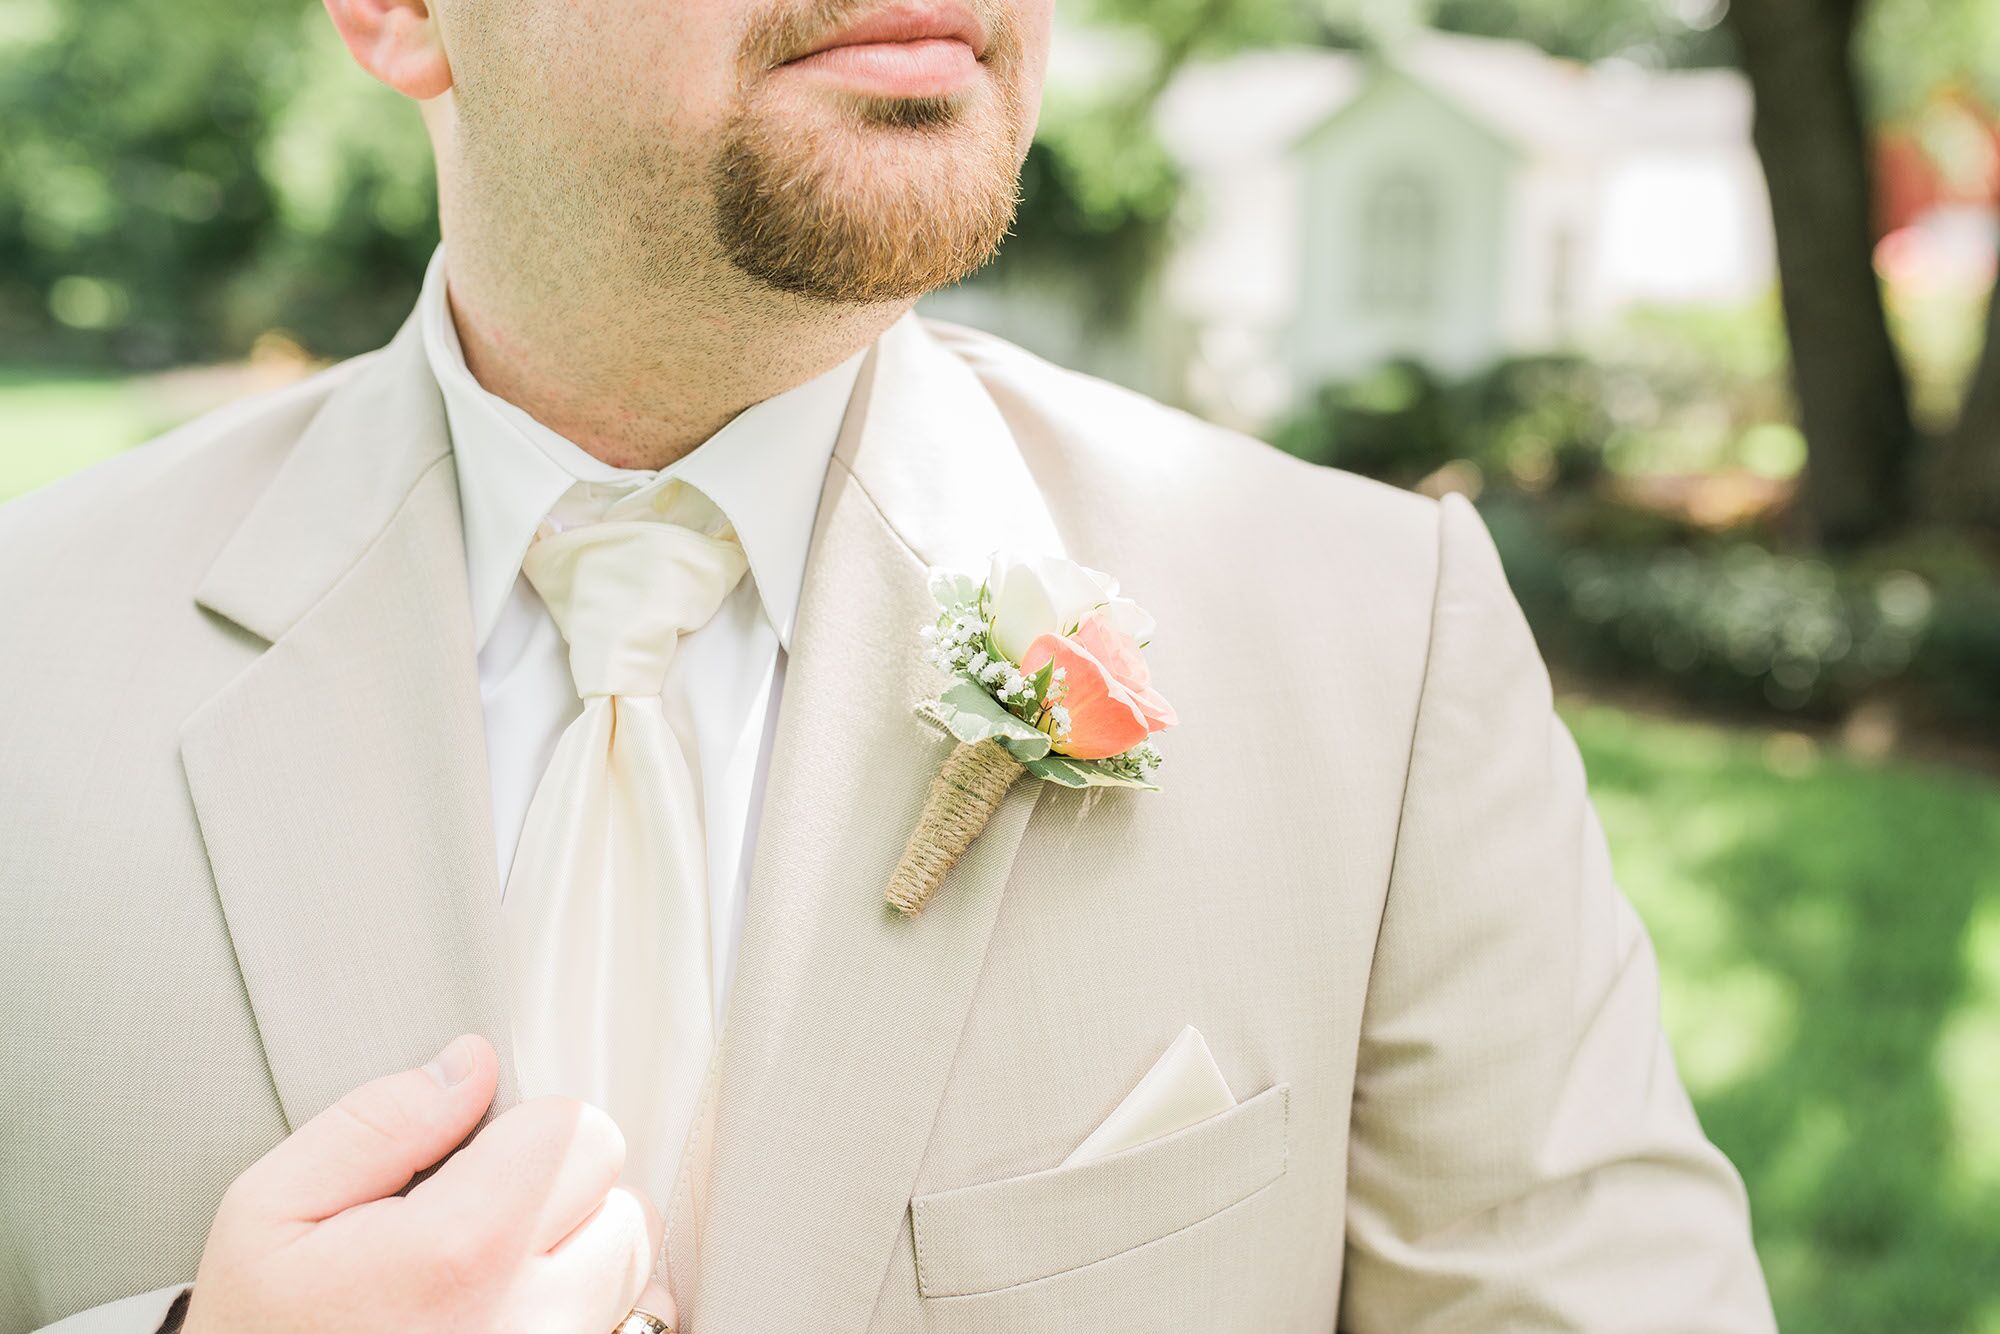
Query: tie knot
{"points": [[623, 592]]}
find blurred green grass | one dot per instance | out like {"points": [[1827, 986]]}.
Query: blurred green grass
{"points": [[53, 423], [1830, 942], [1829, 936]]}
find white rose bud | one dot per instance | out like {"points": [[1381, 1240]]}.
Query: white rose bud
{"points": [[1032, 596]]}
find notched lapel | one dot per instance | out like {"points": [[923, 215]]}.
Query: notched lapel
{"points": [[340, 779], [846, 1017]]}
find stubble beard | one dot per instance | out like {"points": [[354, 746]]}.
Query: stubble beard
{"points": [[895, 197]]}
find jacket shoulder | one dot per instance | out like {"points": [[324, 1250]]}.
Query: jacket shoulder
{"points": [[189, 475], [1083, 429]]}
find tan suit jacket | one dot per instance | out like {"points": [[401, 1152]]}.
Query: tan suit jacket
{"points": [[246, 864]]}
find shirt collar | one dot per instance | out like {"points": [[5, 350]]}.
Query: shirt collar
{"points": [[764, 470]]}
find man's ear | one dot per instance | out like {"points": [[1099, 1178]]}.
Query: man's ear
{"points": [[398, 41]]}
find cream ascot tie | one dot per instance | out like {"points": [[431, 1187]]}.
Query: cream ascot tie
{"points": [[605, 913]]}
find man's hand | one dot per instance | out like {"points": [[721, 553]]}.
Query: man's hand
{"points": [[523, 1231]]}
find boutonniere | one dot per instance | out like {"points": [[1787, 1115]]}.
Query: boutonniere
{"points": [[1048, 680]]}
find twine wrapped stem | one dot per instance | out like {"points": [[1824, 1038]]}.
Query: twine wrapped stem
{"points": [[967, 790]]}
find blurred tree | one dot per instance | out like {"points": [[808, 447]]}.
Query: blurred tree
{"points": [[1098, 190], [1673, 33], [1968, 487], [1811, 133], [1182, 29], [1097, 196], [1909, 49], [128, 175], [174, 178]]}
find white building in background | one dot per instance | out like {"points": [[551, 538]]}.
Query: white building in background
{"points": [[1455, 201]]}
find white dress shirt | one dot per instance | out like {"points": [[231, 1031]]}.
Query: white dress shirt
{"points": [[764, 471]]}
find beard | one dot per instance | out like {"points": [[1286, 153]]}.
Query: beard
{"points": [[874, 199]]}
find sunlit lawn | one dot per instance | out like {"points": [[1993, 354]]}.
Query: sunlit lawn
{"points": [[51, 425], [1830, 943]]}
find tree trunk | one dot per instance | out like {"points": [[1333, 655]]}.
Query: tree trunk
{"points": [[1813, 140], [1969, 474]]}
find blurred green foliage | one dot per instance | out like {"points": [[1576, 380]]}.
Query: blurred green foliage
{"points": [[1097, 196], [1620, 579], [77, 418], [1733, 623], [1645, 30], [1546, 417], [1910, 49], [176, 179], [1683, 391], [1829, 941]]}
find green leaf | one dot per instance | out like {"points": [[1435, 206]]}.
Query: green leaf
{"points": [[1039, 682], [952, 589], [1063, 770], [972, 715]]}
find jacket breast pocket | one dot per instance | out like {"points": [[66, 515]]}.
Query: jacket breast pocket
{"points": [[999, 1234]]}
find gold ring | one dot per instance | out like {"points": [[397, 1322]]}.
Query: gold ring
{"points": [[643, 1322]]}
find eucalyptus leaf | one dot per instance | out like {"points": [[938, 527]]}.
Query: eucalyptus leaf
{"points": [[952, 589], [1063, 770], [936, 715], [972, 715]]}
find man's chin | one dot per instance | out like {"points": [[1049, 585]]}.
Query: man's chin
{"points": [[889, 242], [857, 198]]}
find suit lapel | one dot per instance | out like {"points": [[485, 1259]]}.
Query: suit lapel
{"points": [[845, 1018], [340, 780]]}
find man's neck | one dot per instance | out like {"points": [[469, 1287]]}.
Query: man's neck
{"points": [[640, 384]]}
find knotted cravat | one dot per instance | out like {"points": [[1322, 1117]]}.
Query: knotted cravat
{"points": [[606, 907]]}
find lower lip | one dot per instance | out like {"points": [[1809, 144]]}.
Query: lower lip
{"points": [[928, 67]]}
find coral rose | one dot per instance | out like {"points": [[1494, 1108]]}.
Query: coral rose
{"points": [[1122, 658], [1106, 689]]}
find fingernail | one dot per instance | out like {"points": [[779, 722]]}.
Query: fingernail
{"points": [[450, 1066]]}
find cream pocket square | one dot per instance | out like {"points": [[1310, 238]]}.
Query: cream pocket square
{"points": [[1183, 1087]]}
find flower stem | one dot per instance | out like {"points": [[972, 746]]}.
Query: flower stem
{"points": [[968, 788]]}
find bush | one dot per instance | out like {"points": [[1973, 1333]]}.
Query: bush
{"points": [[1957, 664], [1729, 622], [1538, 420], [1395, 424], [176, 179], [1807, 639], [1680, 392]]}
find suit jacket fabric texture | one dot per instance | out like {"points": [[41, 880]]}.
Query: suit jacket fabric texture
{"points": [[246, 863]]}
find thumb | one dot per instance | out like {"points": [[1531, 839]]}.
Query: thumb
{"points": [[656, 1298], [369, 1144], [656, 1301]]}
